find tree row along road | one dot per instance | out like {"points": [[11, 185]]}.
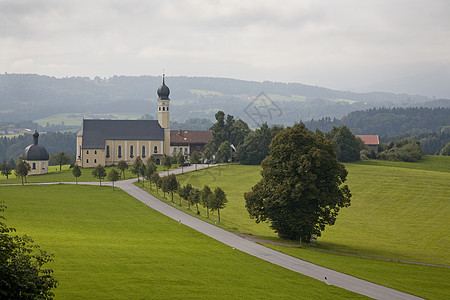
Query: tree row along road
{"points": [[297, 265]]}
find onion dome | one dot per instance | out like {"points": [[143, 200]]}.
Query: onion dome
{"points": [[163, 91], [35, 151]]}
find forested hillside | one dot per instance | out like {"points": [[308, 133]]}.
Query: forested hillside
{"points": [[32, 97], [430, 126], [54, 142]]}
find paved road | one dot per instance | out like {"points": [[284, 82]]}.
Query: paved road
{"points": [[335, 278]]}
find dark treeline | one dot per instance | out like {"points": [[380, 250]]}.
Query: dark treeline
{"points": [[430, 126], [54, 142]]}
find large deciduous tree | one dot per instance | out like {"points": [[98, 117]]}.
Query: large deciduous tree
{"points": [[22, 275], [227, 129], [256, 145], [301, 190], [224, 152]]}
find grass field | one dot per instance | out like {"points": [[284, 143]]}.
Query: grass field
{"points": [[410, 202], [54, 175], [107, 245], [398, 211]]}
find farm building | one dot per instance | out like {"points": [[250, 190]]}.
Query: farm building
{"points": [[371, 141]]}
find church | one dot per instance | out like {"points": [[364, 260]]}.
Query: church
{"points": [[106, 142]]}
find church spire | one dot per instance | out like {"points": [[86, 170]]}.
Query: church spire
{"points": [[35, 137], [163, 104]]}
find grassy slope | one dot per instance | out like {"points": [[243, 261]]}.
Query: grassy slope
{"points": [[110, 246], [386, 195], [396, 212]]}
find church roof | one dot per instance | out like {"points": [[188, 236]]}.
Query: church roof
{"points": [[163, 91], [35, 151], [184, 137], [95, 132]]}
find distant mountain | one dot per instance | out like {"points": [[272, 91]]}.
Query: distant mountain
{"points": [[32, 97], [434, 83]]}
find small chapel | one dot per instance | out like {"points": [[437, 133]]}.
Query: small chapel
{"points": [[106, 142], [37, 156]]}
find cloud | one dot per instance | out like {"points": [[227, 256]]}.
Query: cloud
{"points": [[330, 43]]}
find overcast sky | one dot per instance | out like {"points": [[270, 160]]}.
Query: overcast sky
{"points": [[343, 44]]}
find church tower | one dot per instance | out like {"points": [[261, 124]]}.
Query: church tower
{"points": [[163, 105]]}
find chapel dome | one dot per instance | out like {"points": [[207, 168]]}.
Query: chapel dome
{"points": [[35, 151], [163, 91]]}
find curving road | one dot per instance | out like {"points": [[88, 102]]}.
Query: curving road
{"points": [[333, 277]]}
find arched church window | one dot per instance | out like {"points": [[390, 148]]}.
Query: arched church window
{"points": [[119, 151], [95, 151], [164, 108], [87, 151], [95, 161], [131, 151], [155, 149], [143, 151], [87, 160], [34, 166], [107, 151]]}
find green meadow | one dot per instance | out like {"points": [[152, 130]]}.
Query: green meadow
{"points": [[107, 245], [398, 211]]}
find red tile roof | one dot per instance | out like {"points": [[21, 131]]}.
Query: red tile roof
{"points": [[190, 136], [369, 139]]}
